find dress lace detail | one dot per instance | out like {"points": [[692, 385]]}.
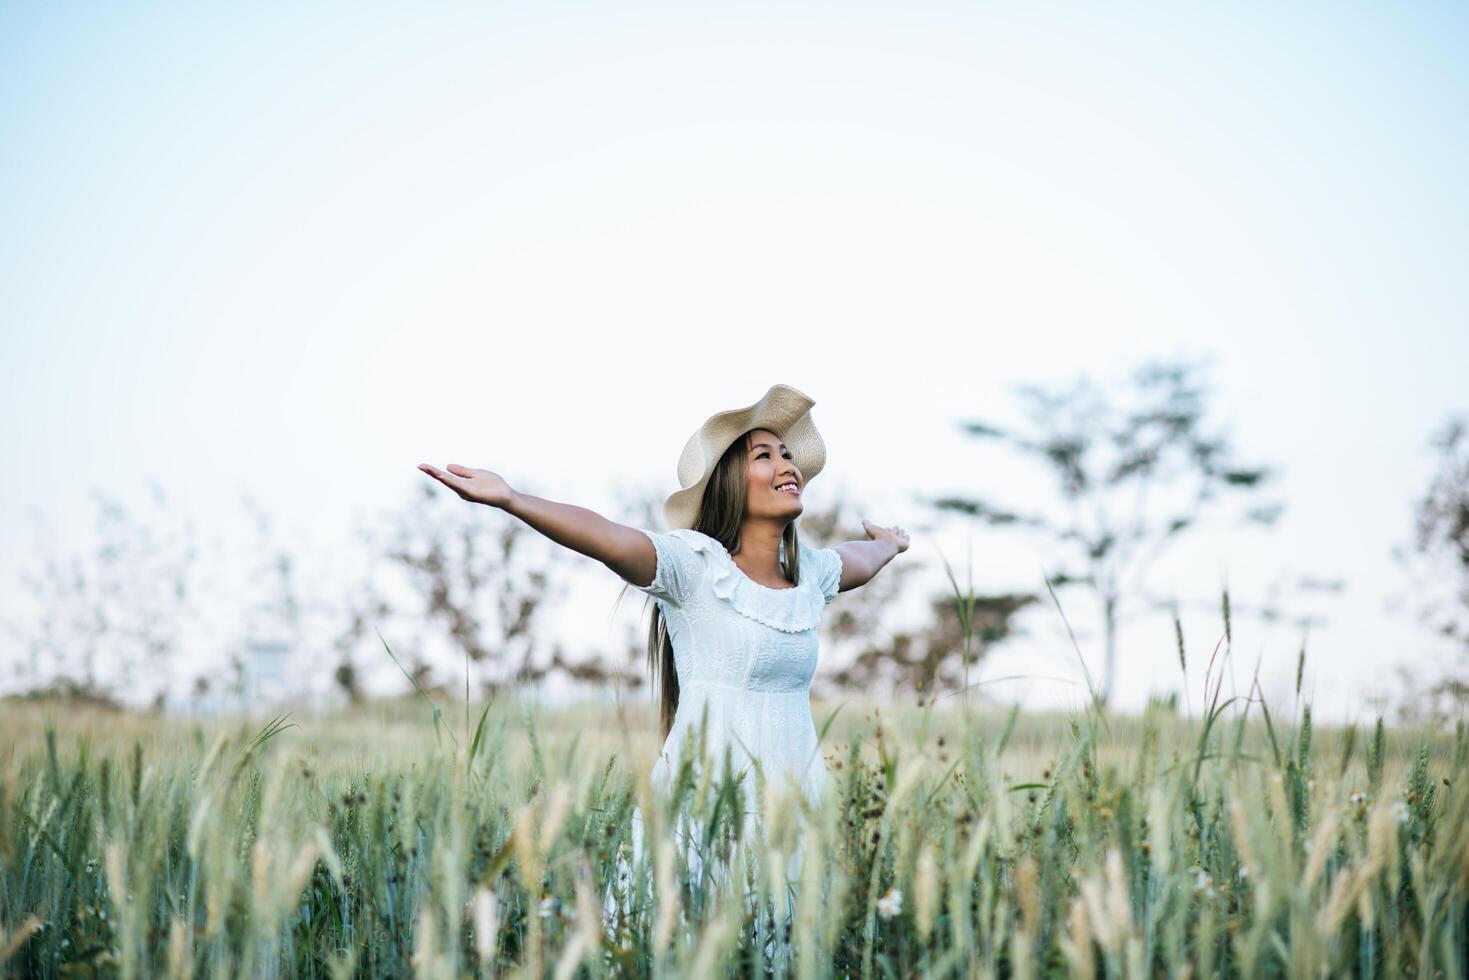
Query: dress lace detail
{"points": [[792, 610], [745, 655], [743, 652]]}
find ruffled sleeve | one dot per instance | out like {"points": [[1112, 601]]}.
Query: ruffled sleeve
{"points": [[680, 567], [828, 570]]}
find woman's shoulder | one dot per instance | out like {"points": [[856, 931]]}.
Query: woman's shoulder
{"points": [[817, 554], [825, 566], [712, 548], [683, 559], [698, 541], [690, 535], [689, 548]]}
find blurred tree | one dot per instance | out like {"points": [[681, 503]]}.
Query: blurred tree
{"points": [[1438, 561], [865, 654], [1132, 479], [361, 606], [474, 582], [266, 650], [286, 613], [110, 624], [1288, 598], [273, 605], [859, 650], [933, 658]]}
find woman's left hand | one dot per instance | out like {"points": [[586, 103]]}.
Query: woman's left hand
{"points": [[894, 535]]}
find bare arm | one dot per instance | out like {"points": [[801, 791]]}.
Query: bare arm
{"points": [[625, 550], [861, 560]]}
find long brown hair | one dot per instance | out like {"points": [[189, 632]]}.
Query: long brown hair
{"points": [[721, 513]]}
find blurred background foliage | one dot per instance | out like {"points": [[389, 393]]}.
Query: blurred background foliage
{"points": [[1135, 468]]}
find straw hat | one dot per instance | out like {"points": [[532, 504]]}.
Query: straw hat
{"points": [[784, 411]]}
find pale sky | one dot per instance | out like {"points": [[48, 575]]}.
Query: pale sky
{"points": [[294, 251]]}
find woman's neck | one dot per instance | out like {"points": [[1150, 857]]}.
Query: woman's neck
{"points": [[759, 554]]}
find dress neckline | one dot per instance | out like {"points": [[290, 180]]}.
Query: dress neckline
{"points": [[793, 609], [767, 588], [741, 573]]}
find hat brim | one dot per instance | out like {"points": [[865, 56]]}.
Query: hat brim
{"points": [[783, 410]]}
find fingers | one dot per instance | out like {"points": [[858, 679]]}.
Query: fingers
{"points": [[894, 529], [458, 470], [446, 479]]}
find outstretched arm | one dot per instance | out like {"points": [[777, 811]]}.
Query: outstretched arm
{"points": [[625, 550], [861, 560]]}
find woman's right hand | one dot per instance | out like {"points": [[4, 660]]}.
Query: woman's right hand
{"points": [[478, 486]]}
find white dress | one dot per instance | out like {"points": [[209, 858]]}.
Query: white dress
{"points": [[745, 653]]}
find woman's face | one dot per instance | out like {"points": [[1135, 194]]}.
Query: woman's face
{"points": [[770, 468]]}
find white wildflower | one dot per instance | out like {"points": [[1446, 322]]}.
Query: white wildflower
{"points": [[1203, 883], [486, 914], [890, 904], [548, 906], [1400, 811], [1244, 871], [1359, 796]]}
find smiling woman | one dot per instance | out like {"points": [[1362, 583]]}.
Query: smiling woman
{"points": [[737, 596]]}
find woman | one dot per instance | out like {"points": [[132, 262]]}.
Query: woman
{"points": [[738, 595]]}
